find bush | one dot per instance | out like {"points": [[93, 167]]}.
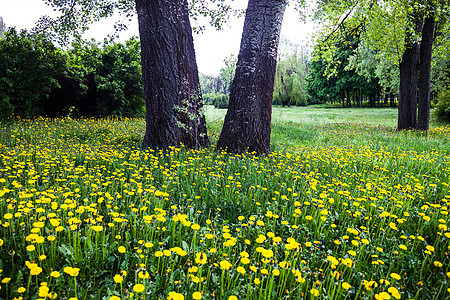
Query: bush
{"points": [[209, 98], [221, 101], [442, 109]]}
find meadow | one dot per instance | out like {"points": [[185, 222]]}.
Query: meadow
{"points": [[344, 207]]}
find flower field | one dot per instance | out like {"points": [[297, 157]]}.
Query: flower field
{"points": [[86, 214]]}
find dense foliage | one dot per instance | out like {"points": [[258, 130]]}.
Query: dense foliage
{"points": [[39, 79], [346, 211], [442, 109]]}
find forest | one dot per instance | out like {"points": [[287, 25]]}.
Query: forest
{"points": [[301, 171]]}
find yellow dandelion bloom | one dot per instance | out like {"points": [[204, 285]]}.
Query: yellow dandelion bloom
{"points": [[138, 288]]}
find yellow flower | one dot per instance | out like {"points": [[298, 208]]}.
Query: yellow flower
{"points": [[201, 258], [36, 270], [138, 288], [72, 271], [97, 228], [225, 265], [114, 298], [175, 296], [55, 274], [257, 281], [118, 278], [346, 285], [240, 270], [394, 292], [314, 292], [382, 296], [121, 249], [197, 295], [395, 276], [21, 290], [430, 248], [31, 248], [232, 298], [6, 280]]}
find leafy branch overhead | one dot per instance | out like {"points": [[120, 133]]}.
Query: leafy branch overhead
{"points": [[74, 17]]}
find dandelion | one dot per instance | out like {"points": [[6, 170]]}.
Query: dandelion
{"points": [[138, 288], [225, 265], [395, 276], [314, 292], [71, 271], [197, 295], [346, 285], [430, 248], [118, 278], [394, 292], [121, 249]]}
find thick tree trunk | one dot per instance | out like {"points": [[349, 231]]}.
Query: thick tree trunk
{"points": [[247, 123], [407, 99], [170, 76], [426, 48]]}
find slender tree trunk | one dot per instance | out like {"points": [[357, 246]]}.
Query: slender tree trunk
{"points": [[407, 99], [247, 123], [170, 75], [426, 48]]}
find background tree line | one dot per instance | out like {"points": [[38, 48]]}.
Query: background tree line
{"points": [[88, 79]]}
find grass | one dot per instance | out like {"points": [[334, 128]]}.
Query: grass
{"points": [[345, 207]]}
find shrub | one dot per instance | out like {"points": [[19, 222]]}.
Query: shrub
{"points": [[221, 101], [442, 109], [209, 98]]}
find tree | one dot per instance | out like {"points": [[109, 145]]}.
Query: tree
{"points": [[169, 70], [29, 68], [397, 29], [247, 122], [290, 77], [226, 74], [108, 79]]}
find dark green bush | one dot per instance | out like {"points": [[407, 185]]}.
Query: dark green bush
{"points": [[442, 110], [209, 98], [221, 101]]}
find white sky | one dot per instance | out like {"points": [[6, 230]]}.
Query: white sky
{"points": [[211, 46]]}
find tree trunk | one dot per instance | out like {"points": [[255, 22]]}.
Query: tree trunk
{"points": [[426, 48], [407, 99], [247, 123], [170, 76]]}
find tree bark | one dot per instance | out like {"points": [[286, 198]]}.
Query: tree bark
{"points": [[426, 49], [170, 76], [247, 123], [407, 99]]}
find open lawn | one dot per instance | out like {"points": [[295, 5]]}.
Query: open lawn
{"points": [[345, 207]]}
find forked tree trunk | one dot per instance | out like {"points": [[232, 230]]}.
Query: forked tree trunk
{"points": [[170, 76], [426, 48], [247, 123], [407, 99]]}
